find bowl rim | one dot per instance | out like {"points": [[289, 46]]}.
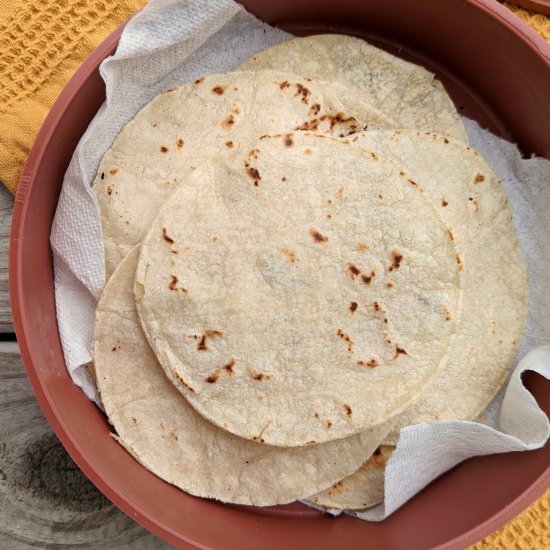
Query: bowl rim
{"points": [[20, 212]]}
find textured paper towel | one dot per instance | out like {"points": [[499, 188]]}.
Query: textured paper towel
{"points": [[172, 42]]}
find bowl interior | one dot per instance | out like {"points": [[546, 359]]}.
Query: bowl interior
{"points": [[506, 89]]}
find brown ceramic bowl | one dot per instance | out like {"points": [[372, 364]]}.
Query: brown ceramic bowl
{"points": [[498, 72]]}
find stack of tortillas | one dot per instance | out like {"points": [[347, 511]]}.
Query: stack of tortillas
{"points": [[303, 257]]}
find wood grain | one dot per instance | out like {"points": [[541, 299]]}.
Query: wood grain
{"points": [[45, 500], [6, 205]]}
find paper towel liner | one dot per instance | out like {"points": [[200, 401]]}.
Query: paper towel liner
{"points": [[172, 42]]}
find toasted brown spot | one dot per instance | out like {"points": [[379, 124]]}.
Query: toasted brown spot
{"points": [[134, 420], [166, 237], [376, 306], [179, 143], [389, 285], [346, 339], [347, 409], [379, 458], [115, 348], [459, 262], [352, 306], [368, 278], [201, 346], [479, 178], [199, 80], [312, 442], [317, 237], [314, 109], [445, 140], [316, 415], [113, 171], [396, 258], [450, 233], [284, 85], [444, 203], [288, 141], [102, 175], [380, 196], [283, 179], [371, 363], [361, 247], [228, 122], [329, 424], [447, 314], [126, 222], [341, 192], [173, 282], [218, 90], [399, 351], [353, 270], [308, 151], [412, 182], [110, 190], [212, 378], [336, 489], [253, 174], [328, 216], [183, 382], [401, 172], [259, 376], [229, 144], [228, 367], [173, 436], [311, 125], [163, 149], [154, 124], [302, 91], [291, 255]]}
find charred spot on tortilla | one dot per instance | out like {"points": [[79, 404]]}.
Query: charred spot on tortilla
{"points": [[318, 237], [209, 334], [396, 258]]}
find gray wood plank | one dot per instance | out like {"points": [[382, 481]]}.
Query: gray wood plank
{"points": [[6, 206], [45, 500]]}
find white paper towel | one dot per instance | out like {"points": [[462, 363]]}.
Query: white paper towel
{"points": [[172, 42]]}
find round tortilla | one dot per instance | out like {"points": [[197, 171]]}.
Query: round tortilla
{"points": [[300, 291], [406, 92], [182, 128], [363, 489], [472, 202], [156, 424]]}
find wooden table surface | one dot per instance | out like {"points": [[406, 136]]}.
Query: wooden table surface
{"points": [[45, 500]]}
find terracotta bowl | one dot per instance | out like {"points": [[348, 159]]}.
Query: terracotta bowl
{"points": [[498, 72]]}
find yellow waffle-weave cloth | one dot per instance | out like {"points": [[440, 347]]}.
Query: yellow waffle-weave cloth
{"points": [[42, 43]]}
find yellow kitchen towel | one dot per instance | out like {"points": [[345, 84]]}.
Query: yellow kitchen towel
{"points": [[529, 531], [539, 22], [42, 43]]}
